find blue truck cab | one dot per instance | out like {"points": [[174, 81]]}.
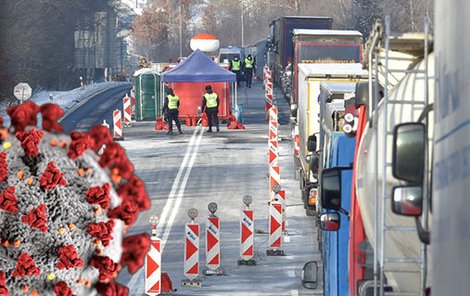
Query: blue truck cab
{"points": [[336, 243]]}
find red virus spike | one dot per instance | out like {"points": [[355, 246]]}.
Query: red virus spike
{"points": [[68, 258], [127, 211], [3, 284], [111, 288], [105, 266], [79, 144], [3, 166], [99, 195], [25, 266], [52, 177], [102, 231], [51, 113], [8, 201], [30, 141], [134, 190], [101, 136], [111, 155], [135, 247], [62, 289], [23, 115], [36, 218]]}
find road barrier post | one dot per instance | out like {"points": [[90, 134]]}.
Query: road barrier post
{"points": [[275, 229], [153, 262], [126, 104], [274, 179], [191, 252], [247, 232], [117, 125], [213, 243]]}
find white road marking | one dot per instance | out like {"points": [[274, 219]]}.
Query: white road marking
{"points": [[136, 279], [286, 239], [179, 198], [294, 292]]}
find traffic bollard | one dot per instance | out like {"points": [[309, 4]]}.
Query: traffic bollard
{"points": [[126, 104], [274, 179], [117, 125], [153, 262], [191, 252], [247, 232], [275, 229], [213, 243]]}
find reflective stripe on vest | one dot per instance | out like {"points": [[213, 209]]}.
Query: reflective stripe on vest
{"points": [[173, 102], [211, 100], [248, 63], [235, 65]]}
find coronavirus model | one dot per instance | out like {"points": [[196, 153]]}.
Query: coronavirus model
{"points": [[65, 208]]}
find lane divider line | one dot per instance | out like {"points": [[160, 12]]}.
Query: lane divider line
{"points": [[165, 226]]}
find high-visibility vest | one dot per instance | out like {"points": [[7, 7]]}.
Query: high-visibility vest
{"points": [[248, 63], [173, 102], [235, 65], [211, 100]]}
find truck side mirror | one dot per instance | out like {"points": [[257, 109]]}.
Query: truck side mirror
{"points": [[330, 221], [407, 200], [310, 275], [293, 110], [408, 152], [331, 189], [312, 143]]}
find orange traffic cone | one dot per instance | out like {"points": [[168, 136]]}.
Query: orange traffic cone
{"points": [[205, 120], [161, 125]]}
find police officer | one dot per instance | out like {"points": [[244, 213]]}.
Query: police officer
{"points": [[236, 67], [249, 68], [210, 102], [170, 107]]}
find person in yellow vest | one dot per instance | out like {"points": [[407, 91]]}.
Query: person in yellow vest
{"points": [[249, 68], [236, 67], [170, 106], [210, 103]]}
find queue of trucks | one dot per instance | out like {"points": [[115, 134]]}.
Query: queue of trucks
{"points": [[377, 167]]}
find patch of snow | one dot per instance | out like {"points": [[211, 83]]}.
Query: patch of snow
{"points": [[65, 99]]}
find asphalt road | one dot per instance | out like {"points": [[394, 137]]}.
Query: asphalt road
{"points": [[193, 169], [94, 110]]}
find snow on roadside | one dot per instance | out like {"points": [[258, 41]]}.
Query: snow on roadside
{"points": [[65, 99]]}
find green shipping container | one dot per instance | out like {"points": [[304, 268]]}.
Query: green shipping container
{"points": [[147, 94]]}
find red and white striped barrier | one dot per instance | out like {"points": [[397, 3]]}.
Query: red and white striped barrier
{"points": [[281, 196], [213, 243], [273, 152], [274, 179], [117, 125], [247, 229], [273, 114], [275, 229], [126, 104], [153, 262], [273, 130], [191, 251]]}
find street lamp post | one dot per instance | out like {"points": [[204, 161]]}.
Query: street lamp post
{"points": [[181, 31], [243, 24]]}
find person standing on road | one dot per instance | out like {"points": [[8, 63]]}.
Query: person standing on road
{"points": [[236, 67], [170, 107], [249, 68], [210, 103]]}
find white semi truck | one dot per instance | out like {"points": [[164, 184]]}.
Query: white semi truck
{"points": [[307, 127]]}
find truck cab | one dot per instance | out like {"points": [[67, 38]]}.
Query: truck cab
{"points": [[337, 80]]}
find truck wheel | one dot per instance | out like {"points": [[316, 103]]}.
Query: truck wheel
{"points": [[310, 211]]}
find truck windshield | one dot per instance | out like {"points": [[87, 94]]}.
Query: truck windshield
{"points": [[334, 53]]}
